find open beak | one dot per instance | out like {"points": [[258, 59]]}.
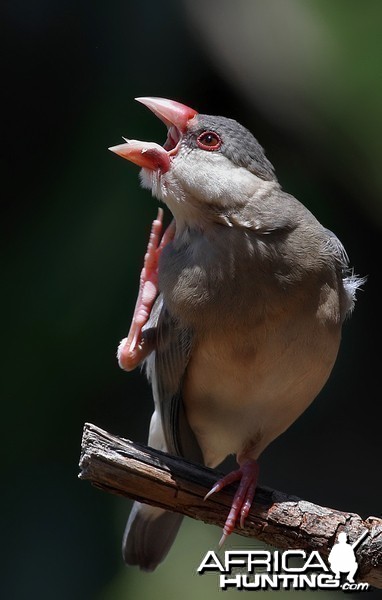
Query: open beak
{"points": [[150, 155]]}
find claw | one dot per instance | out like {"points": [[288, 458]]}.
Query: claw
{"points": [[242, 501], [214, 489]]}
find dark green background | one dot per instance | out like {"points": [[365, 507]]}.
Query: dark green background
{"points": [[75, 226]]}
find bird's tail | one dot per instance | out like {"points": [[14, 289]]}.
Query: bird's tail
{"points": [[149, 534], [150, 531]]}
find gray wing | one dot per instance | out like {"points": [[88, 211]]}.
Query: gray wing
{"points": [[337, 250], [150, 531], [165, 368]]}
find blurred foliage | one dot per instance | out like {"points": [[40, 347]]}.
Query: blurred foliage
{"points": [[75, 226]]}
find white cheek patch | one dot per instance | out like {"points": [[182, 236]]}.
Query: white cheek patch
{"points": [[210, 177], [198, 180]]}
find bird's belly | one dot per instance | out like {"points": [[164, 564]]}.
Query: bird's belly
{"points": [[240, 396]]}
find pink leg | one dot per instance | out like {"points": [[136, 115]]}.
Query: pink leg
{"points": [[133, 349], [247, 474]]}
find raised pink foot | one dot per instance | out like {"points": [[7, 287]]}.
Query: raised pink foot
{"points": [[135, 347], [247, 474]]}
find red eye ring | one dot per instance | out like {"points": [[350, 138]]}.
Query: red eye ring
{"points": [[209, 140]]}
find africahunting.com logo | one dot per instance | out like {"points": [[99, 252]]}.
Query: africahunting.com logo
{"points": [[266, 570]]}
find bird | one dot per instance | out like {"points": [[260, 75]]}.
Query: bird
{"points": [[239, 312]]}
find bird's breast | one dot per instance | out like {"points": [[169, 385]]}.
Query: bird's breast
{"points": [[244, 387], [265, 335], [210, 280]]}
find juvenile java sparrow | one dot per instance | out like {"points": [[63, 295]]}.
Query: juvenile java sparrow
{"points": [[239, 313]]}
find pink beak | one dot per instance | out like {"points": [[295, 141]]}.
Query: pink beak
{"points": [[149, 154]]}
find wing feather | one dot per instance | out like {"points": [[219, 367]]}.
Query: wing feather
{"points": [[166, 368]]}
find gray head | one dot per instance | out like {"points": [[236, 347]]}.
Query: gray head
{"points": [[208, 165], [232, 139]]}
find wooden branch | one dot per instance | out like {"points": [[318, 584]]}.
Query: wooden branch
{"points": [[122, 467]]}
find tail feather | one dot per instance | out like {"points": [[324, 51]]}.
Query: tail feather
{"points": [[150, 531], [149, 534]]}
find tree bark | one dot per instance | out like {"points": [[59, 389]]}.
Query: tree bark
{"points": [[122, 467]]}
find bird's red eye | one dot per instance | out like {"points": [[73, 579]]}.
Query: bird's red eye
{"points": [[209, 140]]}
